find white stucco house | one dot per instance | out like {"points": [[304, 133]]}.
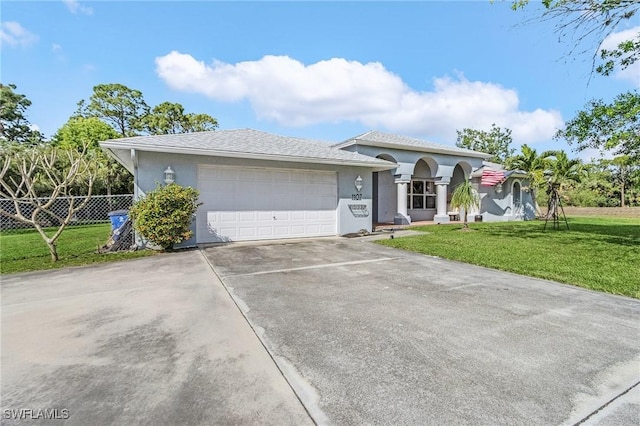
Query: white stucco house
{"points": [[256, 185]]}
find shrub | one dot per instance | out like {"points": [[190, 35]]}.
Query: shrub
{"points": [[164, 215]]}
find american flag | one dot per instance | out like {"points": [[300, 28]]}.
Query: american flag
{"points": [[491, 177]]}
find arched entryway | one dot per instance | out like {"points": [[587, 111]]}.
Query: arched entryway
{"points": [[421, 191]]}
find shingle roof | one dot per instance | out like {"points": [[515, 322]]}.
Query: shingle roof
{"points": [[376, 138], [247, 143]]}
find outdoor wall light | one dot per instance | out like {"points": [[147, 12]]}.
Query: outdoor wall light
{"points": [[169, 176], [498, 188], [358, 183]]}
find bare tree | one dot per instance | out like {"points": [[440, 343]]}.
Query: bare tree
{"points": [[26, 172]]}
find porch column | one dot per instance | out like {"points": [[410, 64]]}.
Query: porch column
{"points": [[401, 217], [441, 202]]}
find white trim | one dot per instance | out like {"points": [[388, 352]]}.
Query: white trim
{"points": [[415, 148], [376, 165]]}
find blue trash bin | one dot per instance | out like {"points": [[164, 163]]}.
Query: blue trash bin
{"points": [[118, 218]]}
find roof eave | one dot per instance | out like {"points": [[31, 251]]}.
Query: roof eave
{"points": [[376, 165], [351, 142]]}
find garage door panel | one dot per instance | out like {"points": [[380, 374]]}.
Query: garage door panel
{"points": [[298, 229], [280, 231], [231, 232], [264, 216], [247, 204], [265, 231], [326, 215], [249, 232], [247, 216], [227, 217], [298, 215]]}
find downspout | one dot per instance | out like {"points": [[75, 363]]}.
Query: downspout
{"points": [[134, 161], [136, 191]]}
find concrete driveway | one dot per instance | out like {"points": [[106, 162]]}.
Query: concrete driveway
{"points": [[372, 335], [151, 341]]}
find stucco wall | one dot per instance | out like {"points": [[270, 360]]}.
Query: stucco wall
{"points": [[440, 164], [413, 164], [496, 207], [387, 197], [151, 166]]}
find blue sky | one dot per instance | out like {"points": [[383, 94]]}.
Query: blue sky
{"points": [[323, 70]]}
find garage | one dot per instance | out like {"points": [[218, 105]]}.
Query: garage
{"points": [[256, 185], [247, 203]]}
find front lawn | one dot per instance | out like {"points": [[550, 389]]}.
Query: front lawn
{"points": [[598, 253], [24, 250]]}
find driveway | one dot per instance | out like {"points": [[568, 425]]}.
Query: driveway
{"points": [[373, 335], [149, 341]]}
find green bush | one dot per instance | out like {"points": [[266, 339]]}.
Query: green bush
{"points": [[164, 215]]}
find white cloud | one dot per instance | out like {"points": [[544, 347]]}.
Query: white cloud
{"points": [[74, 6], [591, 154], [284, 90], [14, 34], [55, 47], [632, 72]]}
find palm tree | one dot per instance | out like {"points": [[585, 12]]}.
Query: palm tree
{"points": [[561, 174], [562, 171], [535, 166], [465, 197]]}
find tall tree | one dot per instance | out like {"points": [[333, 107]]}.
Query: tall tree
{"points": [[85, 134], [199, 123], [169, 118], [14, 126], [583, 20], [614, 126], [535, 166], [79, 132], [496, 142], [119, 106], [624, 172]]}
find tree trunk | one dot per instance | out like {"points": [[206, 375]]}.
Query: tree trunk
{"points": [[53, 250], [535, 203], [622, 194]]}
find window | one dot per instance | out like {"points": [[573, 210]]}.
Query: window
{"points": [[421, 195]]}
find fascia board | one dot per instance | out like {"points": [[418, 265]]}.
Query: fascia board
{"points": [[412, 148], [125, 160], [377, 166]]}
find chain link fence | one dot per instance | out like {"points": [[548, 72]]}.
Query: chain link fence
{"points": [[96, 211]]}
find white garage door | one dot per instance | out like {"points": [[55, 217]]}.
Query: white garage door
{"points": [[255, 203]]}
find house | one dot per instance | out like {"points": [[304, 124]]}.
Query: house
{"points": [[256, 185]]}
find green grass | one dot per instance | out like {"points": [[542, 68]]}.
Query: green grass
{"points": [[597, 253], [22, 251]]}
